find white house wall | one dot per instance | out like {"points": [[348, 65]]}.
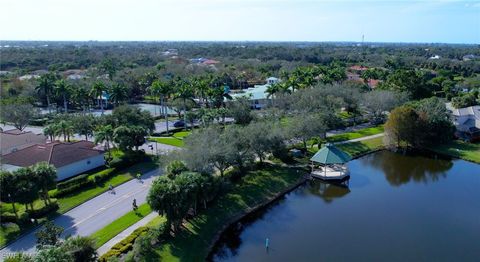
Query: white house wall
{"points": [[79, 167]]}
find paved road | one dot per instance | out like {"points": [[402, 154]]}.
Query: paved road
{"points": [[93, 214]]}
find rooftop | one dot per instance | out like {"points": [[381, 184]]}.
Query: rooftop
{"points": [[56, 153]]}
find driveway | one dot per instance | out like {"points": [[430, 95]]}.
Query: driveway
{"points": [[94, 214]]}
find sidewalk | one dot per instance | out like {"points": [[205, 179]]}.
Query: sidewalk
{"points": [[125, 233]]}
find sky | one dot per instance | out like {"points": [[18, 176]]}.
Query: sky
{"points": [[440, 21]]}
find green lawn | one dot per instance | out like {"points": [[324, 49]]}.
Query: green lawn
{"points": [[357, 134], [103, 235], [181, 134], [171, 141], [68, 202], [362, 147], [175, 140], [256, 187], [460, 149]]}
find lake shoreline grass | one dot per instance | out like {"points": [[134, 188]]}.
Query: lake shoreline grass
{"points": [[258, 188], [459, 149]]}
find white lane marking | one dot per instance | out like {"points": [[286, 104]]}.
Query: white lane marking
{"points": [[102, 209]]}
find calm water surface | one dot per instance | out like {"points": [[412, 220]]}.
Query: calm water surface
{"points": [[395, 208]]}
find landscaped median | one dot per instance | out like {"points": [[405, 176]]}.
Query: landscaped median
{"points": [[459, 149], [103, 235]]}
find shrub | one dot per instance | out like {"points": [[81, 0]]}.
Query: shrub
{"points": [[103, 175], [8, 217], [123, 246], [39, 213], [72, 189], [73, 181]]}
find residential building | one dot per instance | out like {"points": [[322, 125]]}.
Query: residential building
{"points": [[13, 140], [258, 93], [466, 121], [70, 159]]}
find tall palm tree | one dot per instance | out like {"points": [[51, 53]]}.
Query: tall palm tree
{"points": [[118, 93], [66, 129], [63, 88], [81, 97], [50, 131], [105, 135], [272, 90], [161, 90], [97, 91], [185, 92], [45, 85]]}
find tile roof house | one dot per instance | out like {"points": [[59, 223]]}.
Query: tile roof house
{"points": [[69, 159], [13, 140]]}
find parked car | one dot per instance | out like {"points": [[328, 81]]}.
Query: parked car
{"points": [[179, 123]]}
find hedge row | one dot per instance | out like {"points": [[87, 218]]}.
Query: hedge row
{"points": [[84, 182], [25, 217], [125, 245]]}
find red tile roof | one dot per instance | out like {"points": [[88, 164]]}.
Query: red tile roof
{"points": [[56, 153]]}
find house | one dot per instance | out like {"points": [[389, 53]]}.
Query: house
{"points": [[13, 140], [466, 121], [272, 80], [435, 57], [70, 159], [258, 93]]}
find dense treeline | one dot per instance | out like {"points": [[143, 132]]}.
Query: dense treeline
{"points": [[29, 56]]}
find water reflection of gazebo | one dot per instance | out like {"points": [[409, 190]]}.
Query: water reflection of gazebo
{"points": [[328, 191], [329, 163]]}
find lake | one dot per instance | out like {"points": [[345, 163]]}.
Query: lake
{"points": [[395, 208]]}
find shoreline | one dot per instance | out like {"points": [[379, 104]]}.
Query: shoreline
{"points": [[265, 204], [249, 211]]}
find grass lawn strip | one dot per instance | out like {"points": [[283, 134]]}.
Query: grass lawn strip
{"points": [[171, 141], [356, 134], [103, 235], [460, 149], [257, 187], [362, 147]]}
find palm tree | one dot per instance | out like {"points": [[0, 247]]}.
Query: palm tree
{"points": [[66, 129], [63, 88], [50, 131], [97, 91], [184, 91], [45, 85], [118, 93], [162, 90], [105, 135], [272, 90], [81, 97], [45, 177]]}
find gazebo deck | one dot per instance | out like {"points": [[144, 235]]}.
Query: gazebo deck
{"points": [[331, 173]]}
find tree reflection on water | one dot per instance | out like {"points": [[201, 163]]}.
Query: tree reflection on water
{"points": [[401, 169]]}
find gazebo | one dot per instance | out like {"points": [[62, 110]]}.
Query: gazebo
{"points": [[329, 163]]}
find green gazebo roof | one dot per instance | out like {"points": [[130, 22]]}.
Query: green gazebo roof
{"points": [[330, 154]]}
